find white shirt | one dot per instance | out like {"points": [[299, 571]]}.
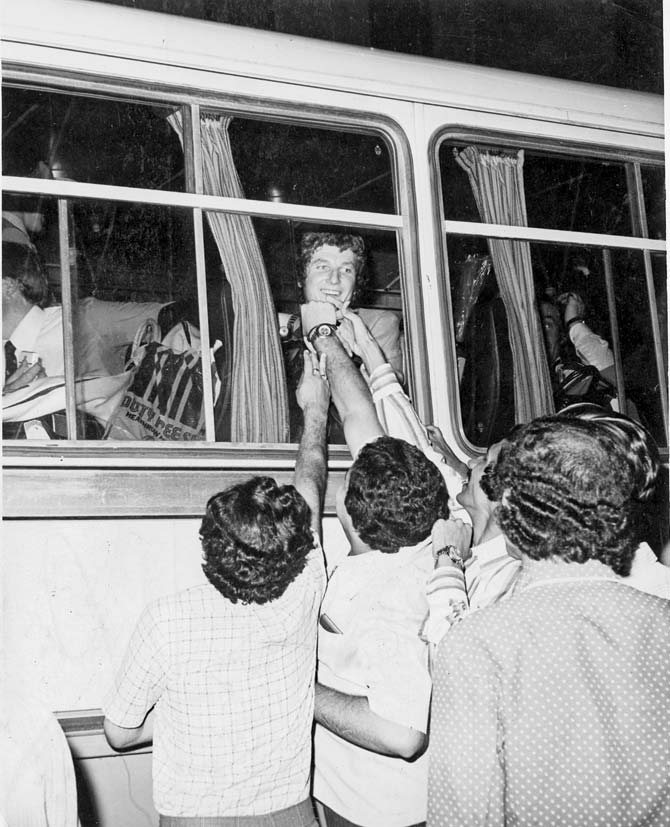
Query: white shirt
{"points": [[40, 331], [378, 601], [233, 687], [591, 348]]}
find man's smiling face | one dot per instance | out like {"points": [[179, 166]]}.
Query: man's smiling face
{"points": [[330, 274]]}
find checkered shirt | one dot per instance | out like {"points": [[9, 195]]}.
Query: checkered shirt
{"points": [[233, 686]]}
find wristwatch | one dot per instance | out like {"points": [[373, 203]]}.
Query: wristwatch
{"points": [[453, 553], [321, 331]]}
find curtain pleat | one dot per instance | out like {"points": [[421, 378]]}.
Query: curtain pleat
{"points": [[259, 403], [497, 184]]}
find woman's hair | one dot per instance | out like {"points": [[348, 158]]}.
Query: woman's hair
{"points": [[565, 492], [394, 494], [311, 242], [255, 540]]}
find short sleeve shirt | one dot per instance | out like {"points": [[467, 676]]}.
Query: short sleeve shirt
{"points": [[378, 602], [233, 686]]}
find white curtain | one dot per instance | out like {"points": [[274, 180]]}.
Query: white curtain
{"points": [[259, 400], [497, 184]]}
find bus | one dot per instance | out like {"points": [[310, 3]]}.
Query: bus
{"points": [[165, 171]]}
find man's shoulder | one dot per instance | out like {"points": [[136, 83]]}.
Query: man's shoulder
{"points": [[178, 604]]}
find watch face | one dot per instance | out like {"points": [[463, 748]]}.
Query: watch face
{"points": [[324, 330]]}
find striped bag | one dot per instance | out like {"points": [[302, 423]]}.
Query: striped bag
{"points": [[165, 398]]}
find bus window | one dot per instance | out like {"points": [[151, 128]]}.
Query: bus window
{"points": [[156, 288], [620, 284]]}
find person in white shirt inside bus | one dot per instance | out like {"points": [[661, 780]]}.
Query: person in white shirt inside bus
{"points": [[572, 348], [226, 669], [32, 332]]}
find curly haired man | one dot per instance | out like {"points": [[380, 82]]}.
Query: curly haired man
{"points": [[226, 668], [566, 683], [373, 691]]}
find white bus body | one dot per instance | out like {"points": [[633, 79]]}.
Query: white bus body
{"points": [[95, 529]]}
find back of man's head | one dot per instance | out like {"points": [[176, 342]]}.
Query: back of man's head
{"points": [[255, 540], [564, 492], [394, 495], [636, 445], [22, 264]]}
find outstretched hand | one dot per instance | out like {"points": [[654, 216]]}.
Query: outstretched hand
{"points": [[439, 443], [313, 390]]}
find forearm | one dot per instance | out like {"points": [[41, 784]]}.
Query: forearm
{"points": [[121, 738], [591, 348], [350, 717], [351, 395], [311, 463]]}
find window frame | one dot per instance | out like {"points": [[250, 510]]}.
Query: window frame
{"points": [[116, 471], [632, 160]]}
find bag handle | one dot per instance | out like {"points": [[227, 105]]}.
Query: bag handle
{"points": [[144, 334]]}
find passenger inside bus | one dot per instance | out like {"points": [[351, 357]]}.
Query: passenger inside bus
{"points": [[333, 270], [581, 362], [33, 371]]}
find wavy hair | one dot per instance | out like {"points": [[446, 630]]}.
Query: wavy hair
{"points": [[564, 493], [636, 445], [22, 264], [394, 494], [255, 539], [310, 243]]}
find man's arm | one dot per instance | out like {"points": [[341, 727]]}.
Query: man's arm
{"points": [[349, 389], [350, 717], [313, 396], [125, 737]]}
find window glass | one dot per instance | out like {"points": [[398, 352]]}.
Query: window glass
{"points": [[483, 351], [564, 273], [93, 140], [562, 193], [305, 165], [653, 185], [297, 269], [133, 265]]}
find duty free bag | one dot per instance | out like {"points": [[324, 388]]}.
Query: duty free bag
{"points": [[165, 398]]}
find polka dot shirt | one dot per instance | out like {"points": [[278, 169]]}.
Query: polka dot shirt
{"points": [[553, 709]]}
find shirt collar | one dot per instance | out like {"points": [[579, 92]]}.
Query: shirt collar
{"points": [[540, 571], [27, 331]]}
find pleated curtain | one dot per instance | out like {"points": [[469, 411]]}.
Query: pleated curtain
{"points": [[259, 403], [497, 184]]}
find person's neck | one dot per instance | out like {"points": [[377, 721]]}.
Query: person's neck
{"points": [[12, 315], [358, 546], [484, 528]]}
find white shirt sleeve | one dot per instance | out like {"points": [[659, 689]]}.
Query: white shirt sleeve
{"points": [[591, 349]]}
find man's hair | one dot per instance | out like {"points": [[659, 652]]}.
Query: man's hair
{"points": [[255, 540], [564, 492], [310, 243], [394, 494], [22, 264], [635, 444]]}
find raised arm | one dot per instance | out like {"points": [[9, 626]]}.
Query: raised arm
{"points": [[351, 394], [313, 395]]}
